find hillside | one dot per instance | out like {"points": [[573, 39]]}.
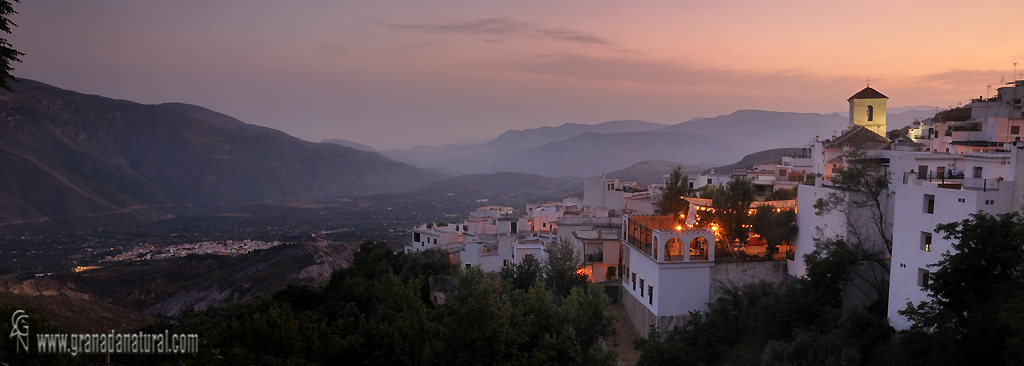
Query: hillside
{"points": [[166, 288], [760, 157], [650, 171], [76, 160], [354, 145], [759, 130]]}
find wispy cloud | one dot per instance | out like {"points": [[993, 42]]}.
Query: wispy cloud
{"points": [[588, 68], [507, 27], [964, 78]]}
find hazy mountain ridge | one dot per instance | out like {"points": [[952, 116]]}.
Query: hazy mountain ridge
{"points": [[710, 141], [67, 155]]}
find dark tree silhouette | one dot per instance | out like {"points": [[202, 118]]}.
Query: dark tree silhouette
{"points": [[8, 55]]}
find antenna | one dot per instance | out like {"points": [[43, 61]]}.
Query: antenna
{"points": [[988, 91], [868, 80]]}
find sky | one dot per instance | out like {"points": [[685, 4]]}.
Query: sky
{"points": [[398, 74]]}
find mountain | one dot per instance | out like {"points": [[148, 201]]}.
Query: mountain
{"points": [[759, 130], [477, 158], [72, 159], [582, 150], [354, 145], [760, 157], [650, 171], [539, 136]]}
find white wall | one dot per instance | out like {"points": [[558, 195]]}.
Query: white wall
{"points": [[810, 225], [910, 221]]}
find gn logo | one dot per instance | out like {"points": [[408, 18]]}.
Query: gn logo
{"points": [[19, 329]]}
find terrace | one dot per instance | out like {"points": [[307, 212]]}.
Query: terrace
{"points": [[665, 240]]}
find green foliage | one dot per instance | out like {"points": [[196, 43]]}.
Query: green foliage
{"points": [[776, 228], [562, 268], [8, 55], [862, 183], [977, 294], [731, 205], [781, 194], [671, 202], [524, 274], [377, 312]]}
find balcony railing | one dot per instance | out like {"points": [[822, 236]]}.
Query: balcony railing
{"points": [[595, 257]]}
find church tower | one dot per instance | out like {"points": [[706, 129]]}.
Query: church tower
{"points": [[867, 108]]}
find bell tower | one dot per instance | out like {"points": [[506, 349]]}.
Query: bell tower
{"points": [[867, 108]]}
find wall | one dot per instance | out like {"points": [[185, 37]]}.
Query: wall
{"points": [[910, 221], [742, 273], [811, 225]]}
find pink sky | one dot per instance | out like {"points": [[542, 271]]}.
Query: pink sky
{"points": [[398, 74]]}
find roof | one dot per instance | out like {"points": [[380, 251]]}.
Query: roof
{"points": [[868, 93], [859, 137]]}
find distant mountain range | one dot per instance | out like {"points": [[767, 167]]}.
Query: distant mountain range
{"points": [[67, 157], [589, 150]]}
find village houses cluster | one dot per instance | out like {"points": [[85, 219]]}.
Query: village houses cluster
{"points": [[227, 247], [961, 161]]}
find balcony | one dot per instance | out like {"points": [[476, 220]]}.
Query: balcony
{"points": [[594, 257]]}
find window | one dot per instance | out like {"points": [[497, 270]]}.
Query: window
{"points": [[634, 281], [691, 185], [929, 204], [709, 180], [923, 277], [650, 295], [515, 227], [468, 265], [528, 256], [504, 262], [961, 200], [641, 287], [1015, 130], [922, 172], [415, 236], [977, 172], [435, 240], [926, 241], [871, 113]]}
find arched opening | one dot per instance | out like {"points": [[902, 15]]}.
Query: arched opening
{"points": [[673, 251], [699, 248], [871, 113], [654, 250]]}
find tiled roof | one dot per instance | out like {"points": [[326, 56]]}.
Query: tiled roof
{"points": [[858, 137], [868, 93]]}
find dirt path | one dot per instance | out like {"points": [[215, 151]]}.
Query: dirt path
{"points": [[624, 338]]}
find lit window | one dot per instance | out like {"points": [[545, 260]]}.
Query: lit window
{"points": [[926, 241]]}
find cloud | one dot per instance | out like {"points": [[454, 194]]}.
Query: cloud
{"points": [[964, 78], [588, 68], [506, 27]]}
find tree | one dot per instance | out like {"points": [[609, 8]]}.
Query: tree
{"points": [[731, 207], [976, 295], [562, 269], [523, 275], [776, 228], [677, 187], [781, 194], [8, 55], [860, 194]]}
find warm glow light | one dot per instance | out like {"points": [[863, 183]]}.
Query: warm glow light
{"points": [[679, 227], [714, 227]]}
